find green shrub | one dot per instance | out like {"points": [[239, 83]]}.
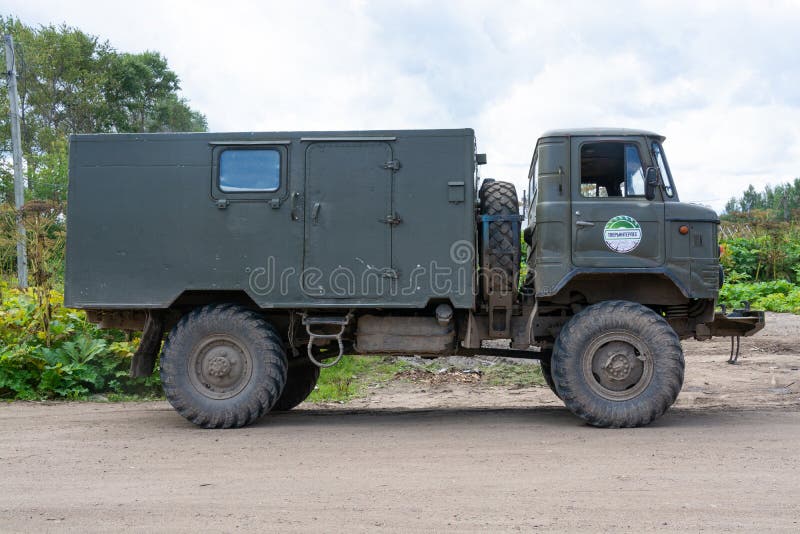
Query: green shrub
{"points": [[742, 256], [776, 295], [769, 252], [71, 360]]}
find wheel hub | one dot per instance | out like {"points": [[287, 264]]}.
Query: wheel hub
{"points": [[220, 367], [618, 365]]}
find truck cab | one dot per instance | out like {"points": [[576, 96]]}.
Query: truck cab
{"points": [[605, 221]]}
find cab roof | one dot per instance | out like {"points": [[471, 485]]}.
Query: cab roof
{"points": [[598, 132]]}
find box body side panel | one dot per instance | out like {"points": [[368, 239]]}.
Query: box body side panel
{"points": [[144, 226]]}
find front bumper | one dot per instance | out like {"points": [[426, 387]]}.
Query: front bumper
{"points": [[735, 324]]}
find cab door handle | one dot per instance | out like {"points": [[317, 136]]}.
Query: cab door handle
{"points": [[583, 224], [315, 212]]}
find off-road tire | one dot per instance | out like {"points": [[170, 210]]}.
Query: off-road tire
{"points": [[641, 326], [234, 330], [300, 384], [547, 374], [500, 198]]}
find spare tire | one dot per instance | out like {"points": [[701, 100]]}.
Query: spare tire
{"points": [[501, 255]]}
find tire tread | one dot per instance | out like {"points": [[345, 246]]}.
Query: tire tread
{"points": [[655, 332], [235, 412]]}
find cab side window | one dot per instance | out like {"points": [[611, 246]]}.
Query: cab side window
{"points": [[611, 169]]}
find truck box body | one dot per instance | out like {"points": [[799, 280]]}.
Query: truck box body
{"points": [[337, 220]]}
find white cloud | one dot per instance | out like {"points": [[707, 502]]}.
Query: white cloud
{"points": [[718, 78]]}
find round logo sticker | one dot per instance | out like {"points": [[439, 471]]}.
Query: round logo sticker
{"points": [[622, 234]]}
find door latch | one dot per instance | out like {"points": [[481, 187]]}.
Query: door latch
{"points": [[222, 203], [293, 213], [391, 219], [392, 164]]}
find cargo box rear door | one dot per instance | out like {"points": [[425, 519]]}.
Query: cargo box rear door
{"points": [[348, 224]]}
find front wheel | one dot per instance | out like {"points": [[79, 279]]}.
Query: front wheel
{"points": [[618, 364]]}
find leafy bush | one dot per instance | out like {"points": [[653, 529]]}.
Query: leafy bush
{"points": [[68, 358], [771, 254], [762, 266], [742, 255], [776, 295]]}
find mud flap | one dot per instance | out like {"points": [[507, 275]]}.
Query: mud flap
{"points": [[144, 359]]}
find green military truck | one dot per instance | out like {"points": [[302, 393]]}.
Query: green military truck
{"points": [[258, 258]]}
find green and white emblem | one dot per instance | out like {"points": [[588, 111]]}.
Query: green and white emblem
{"points": [[622, 234]]}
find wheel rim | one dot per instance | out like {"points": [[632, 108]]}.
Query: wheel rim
{"points": [[220, 367], [618, 366]]}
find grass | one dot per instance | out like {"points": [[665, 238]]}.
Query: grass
{"points": [[507, 374], [352, 376]]}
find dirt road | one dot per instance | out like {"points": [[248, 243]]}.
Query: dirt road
{"points": [[414, 457]]}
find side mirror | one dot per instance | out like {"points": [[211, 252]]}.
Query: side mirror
{"points": [[650, 183]]}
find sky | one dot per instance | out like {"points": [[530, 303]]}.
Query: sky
{"points": [[721, 80]]}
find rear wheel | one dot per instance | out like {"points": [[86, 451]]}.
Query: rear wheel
{"points": [[223, 366], [300, 384], [618, 364], [547, 373]]}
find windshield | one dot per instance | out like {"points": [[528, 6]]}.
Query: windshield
{"points": [[666, 177]]}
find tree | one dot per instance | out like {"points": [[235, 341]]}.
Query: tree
{"points": [[778, 203], [142, 92], [72, 82]]}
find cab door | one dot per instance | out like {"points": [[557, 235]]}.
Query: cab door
{"points": [[613, 224], [348, 225]]}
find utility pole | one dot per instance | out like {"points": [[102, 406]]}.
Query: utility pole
{"points": [[19, 181]]}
